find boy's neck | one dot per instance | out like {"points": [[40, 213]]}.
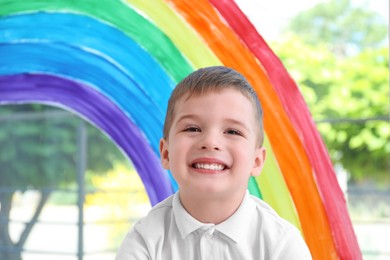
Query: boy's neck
{"points": [[211, 210]]}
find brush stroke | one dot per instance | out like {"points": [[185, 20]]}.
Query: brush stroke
{"points": [[115, 46], [295, 106], [74, 63], [284, 139], [186, 40], [57, 28], [119, 15], [98, 110], [176, 54], [48, 31]]}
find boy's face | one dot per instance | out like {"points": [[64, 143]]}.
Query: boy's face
{"points": [[211, 148]]}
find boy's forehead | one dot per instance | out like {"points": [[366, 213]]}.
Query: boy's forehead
{"points": [[185, 101], [210, 90]]}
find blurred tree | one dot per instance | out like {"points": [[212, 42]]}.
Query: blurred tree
{"points": [[342, 71], [128, 199], [343, 25], [40, 152]]}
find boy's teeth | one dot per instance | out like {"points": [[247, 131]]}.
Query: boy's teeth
{"points": [[212, 166]]}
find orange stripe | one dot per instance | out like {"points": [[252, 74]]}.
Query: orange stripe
{"points": [[288, 149]]}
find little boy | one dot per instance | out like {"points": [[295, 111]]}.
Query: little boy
{"points": [[212, 144]]}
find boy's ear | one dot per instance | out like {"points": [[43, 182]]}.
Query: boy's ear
{"points": [[164, 154], [259, 161]]}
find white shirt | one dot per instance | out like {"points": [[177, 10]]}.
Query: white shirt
{"points": [[254, 231]]}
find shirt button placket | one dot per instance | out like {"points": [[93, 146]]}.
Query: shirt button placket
{"points": [[207, 245]]}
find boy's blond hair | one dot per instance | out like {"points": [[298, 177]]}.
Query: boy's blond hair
{"points": [[213, 79]]}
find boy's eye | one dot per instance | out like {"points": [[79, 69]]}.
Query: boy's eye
{"points": [[233, 132], [192, 129]]}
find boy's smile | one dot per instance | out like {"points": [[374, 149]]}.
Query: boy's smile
{"points": [[208, 165], [211, 148]]}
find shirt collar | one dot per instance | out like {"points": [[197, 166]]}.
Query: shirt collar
{"points": [[185, 222], [235, 227], [239, 224]]}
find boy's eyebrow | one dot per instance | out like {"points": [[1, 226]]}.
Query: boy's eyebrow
{"points": [[238, 122], [188, 116], [229, 120]]}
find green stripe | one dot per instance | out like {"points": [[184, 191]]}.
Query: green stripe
{"points": [[254, 188]]}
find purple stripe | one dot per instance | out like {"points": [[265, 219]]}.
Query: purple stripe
{"points": [[98, 110]]}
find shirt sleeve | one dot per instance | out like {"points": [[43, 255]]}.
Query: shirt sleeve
{"points": [[293, 247], [133, 247]]}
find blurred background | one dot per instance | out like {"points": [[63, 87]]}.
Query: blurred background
{"points": [[337, 52]]}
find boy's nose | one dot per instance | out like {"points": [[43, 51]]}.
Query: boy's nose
{"points": [[210, 142], [210, 148]]}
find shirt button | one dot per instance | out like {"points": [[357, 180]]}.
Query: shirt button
{"points": [[209, 236], [209, 233]]}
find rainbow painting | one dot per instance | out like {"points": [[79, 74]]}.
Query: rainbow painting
{"points": [[114, 63]]}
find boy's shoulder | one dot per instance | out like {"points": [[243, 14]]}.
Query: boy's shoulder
{"points": [[162, 206], [156, 219], [265, 208], [271, 223], [280, 235]]}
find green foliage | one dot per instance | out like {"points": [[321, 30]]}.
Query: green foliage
{"points": [[342, 91], [342, 25], [43, 152]]}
